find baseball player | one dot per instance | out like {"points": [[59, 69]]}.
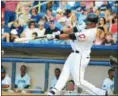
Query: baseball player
{"points": [[76, 63]]}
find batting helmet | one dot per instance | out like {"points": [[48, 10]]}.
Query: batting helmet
{"points": [[91, 18]]}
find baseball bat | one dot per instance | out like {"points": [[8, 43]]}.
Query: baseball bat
{"points": [[45, 36]]}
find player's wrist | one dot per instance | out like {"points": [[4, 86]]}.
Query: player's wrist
{"points": [[57, 36]]}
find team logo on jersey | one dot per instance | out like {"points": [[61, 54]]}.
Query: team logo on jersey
{"points": [[82, 36]]}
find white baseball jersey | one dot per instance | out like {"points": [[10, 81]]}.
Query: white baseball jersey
{"points": [[6, 81], [22, 82], [108, 85], [84, 46], [77, 62]]}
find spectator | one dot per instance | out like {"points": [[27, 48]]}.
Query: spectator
{"points": [[100, 39], [108, 40], [52, 28], [105, 6], [35, 15], [34, 35], [23, 79], [10, 11], [54, 80], [50, 4], [114, 26], [46, 24], [108, 83], [71, 18], [82, 5], [76, 5], [49, 15], [13, 35], [102, 23], [55, 5], [115, 7], [81, 16], [6, 80], [27, 33], [25, 16], [98, 4], [61, 23], [43, 7], [2, 10], [16, 25], [5, 32], [60, 14], [70, 88], [22, 7], [63, 5], [41, 30], [100, 30]]}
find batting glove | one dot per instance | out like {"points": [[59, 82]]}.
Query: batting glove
{"points": [[50, 36]]}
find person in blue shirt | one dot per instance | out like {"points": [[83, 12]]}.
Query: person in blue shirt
{"points": [[105, 6], [55, 5], [76, 5], [34, 15]]}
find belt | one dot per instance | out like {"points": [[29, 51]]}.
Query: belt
{"points": [[75, 51]]}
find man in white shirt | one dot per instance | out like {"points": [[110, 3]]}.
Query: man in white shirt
{"points": [[6, 80], [41, 29], [54, 80], [22, 80], [108, 83]]}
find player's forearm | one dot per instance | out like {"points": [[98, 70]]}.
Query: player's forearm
{"points": [[62, 36]]}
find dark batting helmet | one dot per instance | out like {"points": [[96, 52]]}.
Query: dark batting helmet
{"points": [[91, 18]]}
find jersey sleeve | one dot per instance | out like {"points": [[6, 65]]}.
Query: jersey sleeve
{"points": [[16, 80], [105, 85], [28, 80], [9, 81]]}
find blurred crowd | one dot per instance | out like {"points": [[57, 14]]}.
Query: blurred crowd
{"points": [[24, 21]]}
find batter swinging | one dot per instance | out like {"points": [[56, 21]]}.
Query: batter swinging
{"points": [[78, 60]]}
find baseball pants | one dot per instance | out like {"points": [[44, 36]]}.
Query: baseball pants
{"points": [[75, 65]]}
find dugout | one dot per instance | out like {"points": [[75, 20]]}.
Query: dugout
{"points": [[18, 54]]}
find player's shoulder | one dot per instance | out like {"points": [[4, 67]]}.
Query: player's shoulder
{"points": [[27, 76], [106, 80]]}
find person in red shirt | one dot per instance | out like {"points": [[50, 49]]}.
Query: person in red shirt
{"points": [[2, 10], [114, 27], [10, 11]]}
